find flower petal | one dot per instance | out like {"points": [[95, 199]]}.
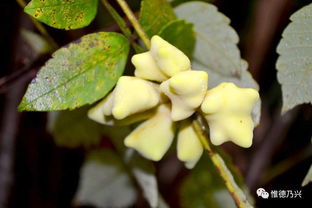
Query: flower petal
{"points": [[133, 95], [186, 91], [146, 68], [228, 109], [153, 137], [169, 58], [189, 147]]}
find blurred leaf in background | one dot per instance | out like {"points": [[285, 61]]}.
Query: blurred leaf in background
{"points": [[74, 129], [308, 177], [36, 42], [203, 187], [144, 173], [104, 182], [216, 47]]}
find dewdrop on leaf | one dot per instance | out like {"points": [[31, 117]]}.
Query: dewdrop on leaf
{"points": [[186, 90], [146, 68], [133, 95], [189, 148], [168, 58], [153, 137], [227, 109]]}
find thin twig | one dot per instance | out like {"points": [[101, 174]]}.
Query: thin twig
{"points": [[287, 164], [124, 6], [224, 172], [122, 25], [7, 81], [40, 28]]}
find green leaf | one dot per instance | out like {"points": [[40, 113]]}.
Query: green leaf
{"points": [[144, 173], [79, 74], [203, 187], [73, 128], [215, 40], [154, 15], [104, 182], [308, 178], [63, 14], [216, 51], [180, 34], [294, 64]]}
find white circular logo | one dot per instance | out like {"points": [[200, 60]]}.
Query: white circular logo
{"points": [[262, 193]]}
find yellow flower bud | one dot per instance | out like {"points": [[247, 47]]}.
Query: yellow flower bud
{"points": [[227, 109], [153, 137], [189, 147], [133, 95], [101, 114], [186, 91], [169, 59], [146, 68]]}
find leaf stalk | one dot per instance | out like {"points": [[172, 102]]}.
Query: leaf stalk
{"points": [[122, 25], [221, 167], [126, 9]]}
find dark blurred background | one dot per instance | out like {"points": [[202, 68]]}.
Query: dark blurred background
{"points": [[34, 172]]}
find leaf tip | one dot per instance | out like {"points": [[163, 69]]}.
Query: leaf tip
{"points": [[21, 107]]}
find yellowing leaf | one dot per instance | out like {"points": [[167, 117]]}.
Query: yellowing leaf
{"points": [[69, 14], [79, 74]]}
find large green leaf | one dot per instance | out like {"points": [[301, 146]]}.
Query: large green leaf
{"points": [[154, 15], [294, 64], [74, 129], [215, 50], [104, 182], [79, 74], [69, 14], [180, 34]]}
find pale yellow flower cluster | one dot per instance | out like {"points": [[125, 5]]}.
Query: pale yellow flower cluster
{"points": [[166, 92]]}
